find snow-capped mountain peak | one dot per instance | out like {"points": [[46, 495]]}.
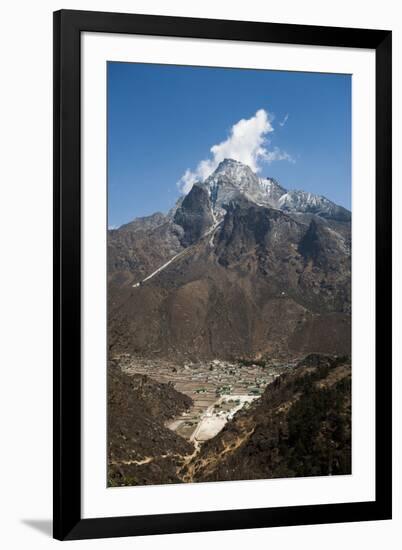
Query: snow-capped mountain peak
{"points": [[232, 167], [304, 202], [232, 178], [271, 190]]}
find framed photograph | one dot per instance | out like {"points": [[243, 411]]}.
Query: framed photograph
{"points": [[222, 274]]}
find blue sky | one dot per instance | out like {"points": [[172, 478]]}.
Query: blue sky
{"points": [[163, 120]]}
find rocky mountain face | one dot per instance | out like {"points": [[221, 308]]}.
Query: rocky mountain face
{"points": [[300, 201], [232, 177], [239, 268], [194, 216], [136, 249]]}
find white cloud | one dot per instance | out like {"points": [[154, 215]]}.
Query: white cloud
{"points": [[278, 154], [246, 143], [284, 121], [186, 182]]}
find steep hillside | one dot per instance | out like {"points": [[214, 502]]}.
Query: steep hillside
{"points": [[255, 286], [301, 426], [140, 449]]}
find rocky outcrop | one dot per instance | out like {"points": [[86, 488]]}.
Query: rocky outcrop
{"points": [[194, 215]]}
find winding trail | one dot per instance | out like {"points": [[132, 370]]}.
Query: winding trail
{"points": [[147, 459], [191, 467]]}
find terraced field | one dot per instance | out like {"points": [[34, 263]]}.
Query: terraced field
{"points": [[218, 388]]}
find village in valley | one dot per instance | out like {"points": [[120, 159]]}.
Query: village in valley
{"points": [[218, 389]]}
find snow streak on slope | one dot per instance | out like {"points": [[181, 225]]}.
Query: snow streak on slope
{"points": [[179, 255]]}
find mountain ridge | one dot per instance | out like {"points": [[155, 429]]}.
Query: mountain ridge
{"points": [[241, 179], [228, 273]]}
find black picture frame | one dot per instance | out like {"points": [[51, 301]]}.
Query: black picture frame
{"points": [[68, 522]]}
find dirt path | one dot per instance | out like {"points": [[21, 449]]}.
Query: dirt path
{"points": [[147, 459], [189, 469]]}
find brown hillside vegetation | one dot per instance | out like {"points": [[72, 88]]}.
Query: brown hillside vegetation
{"points": [[141, 450], [262, 284], [301, 426]]}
